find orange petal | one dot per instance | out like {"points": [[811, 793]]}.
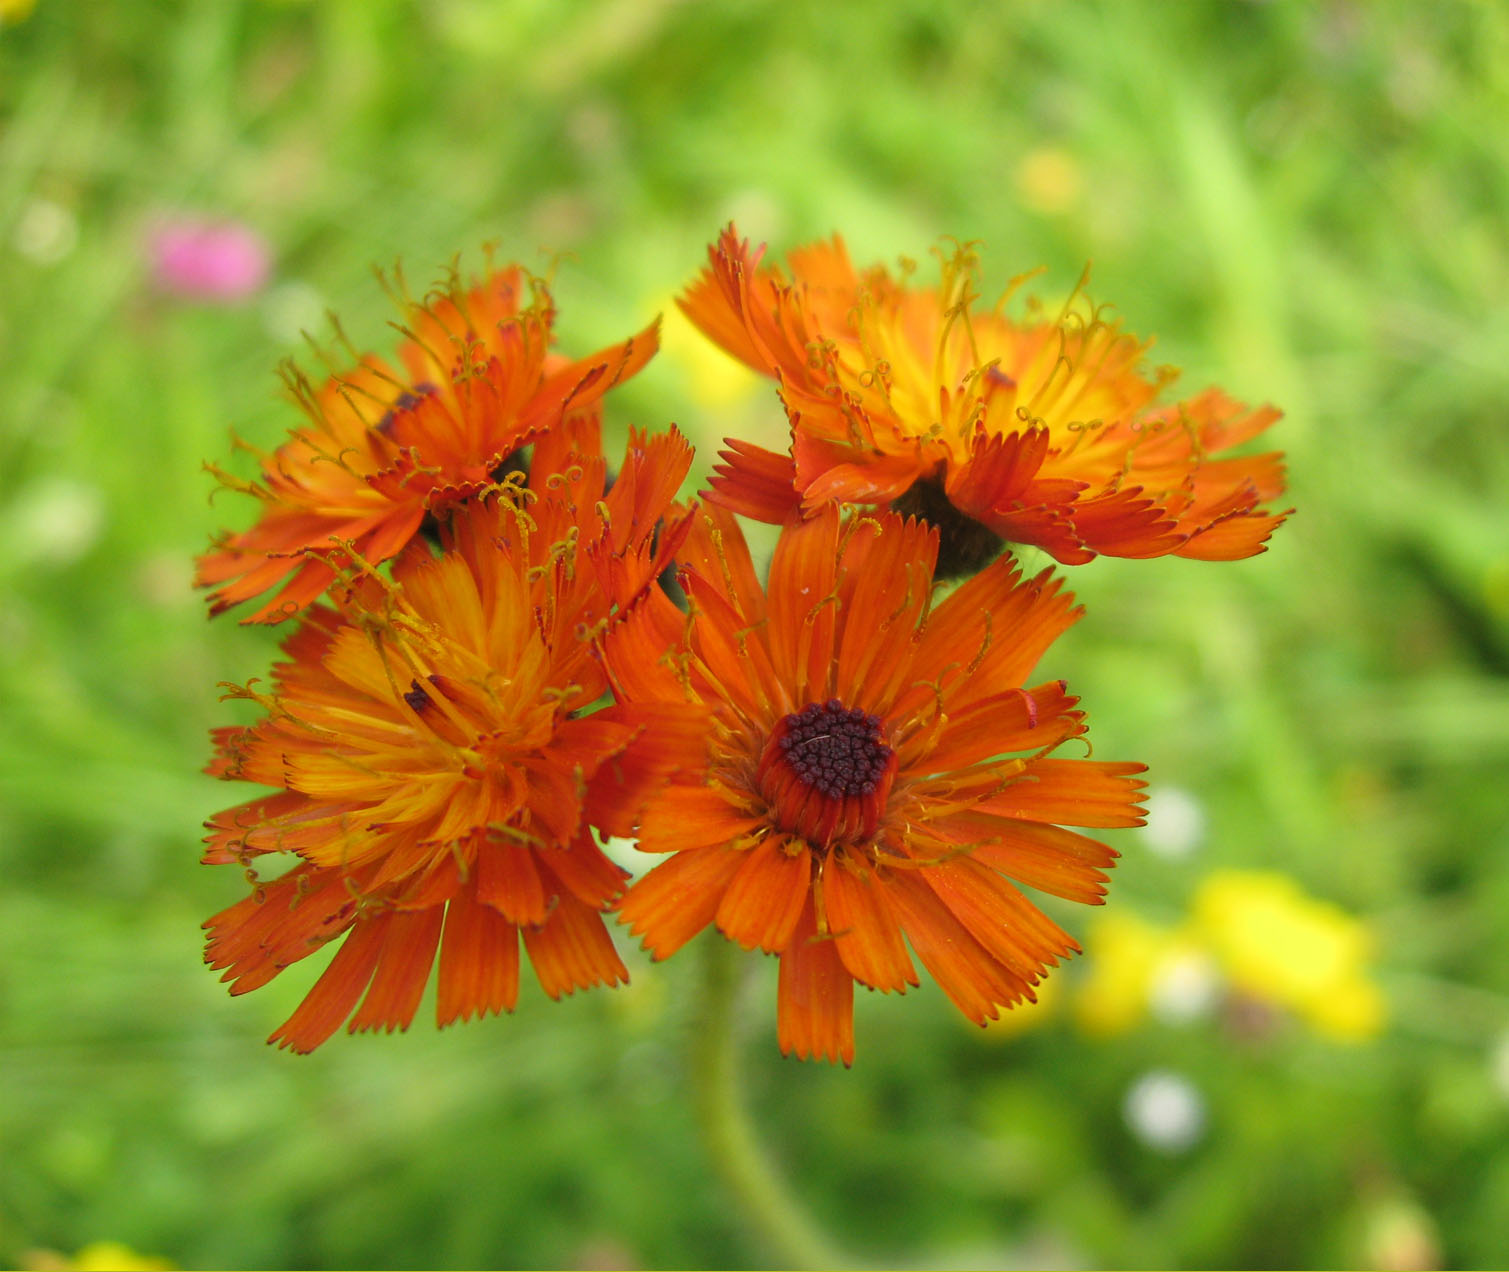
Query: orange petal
{"points": [[999, 724], [555, 798], [1073, 793], [578, 386], [716, 549], [1232, 539], [1126, 523], [754, 482], [587, 741], [998, 471], [764, 899], [814, 998], [391, 536], [996, 626], [582, 868], [968, 973], [735, 304], [678, 898], [231, 830], [866, 936], [335, 993], [734, 654], [408, 954], [277, 925], [887, 582], [573, 950], [1011, 928], [640, 649], [670, 742], [479, 962], [1048, 858], [509, 881], [687, 817], [801, 590], [652, 471], [876, 479]]}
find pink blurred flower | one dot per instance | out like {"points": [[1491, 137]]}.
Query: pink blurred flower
{"points": [[207, 260]]}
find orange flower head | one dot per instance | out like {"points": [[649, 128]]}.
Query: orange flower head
{"points": [[877, 773], [438, 768], [1045, 431], [386, 447]]}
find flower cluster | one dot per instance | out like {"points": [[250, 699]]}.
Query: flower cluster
{"points": [[1253, 950], [504, 652]]}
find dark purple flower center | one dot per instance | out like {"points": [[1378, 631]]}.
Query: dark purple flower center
{"points": [[835, 749]]}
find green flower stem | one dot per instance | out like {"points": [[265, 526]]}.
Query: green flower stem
{"points": [[767, 1201]]}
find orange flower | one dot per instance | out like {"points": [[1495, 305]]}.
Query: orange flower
{"points": [[1042, 432], [875, 771], [385, 447], [438, 774]]}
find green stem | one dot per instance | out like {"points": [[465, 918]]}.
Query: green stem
{"points": [[737, 1155]]}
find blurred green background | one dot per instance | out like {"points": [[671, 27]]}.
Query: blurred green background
{"points": [[1288, 1042]]}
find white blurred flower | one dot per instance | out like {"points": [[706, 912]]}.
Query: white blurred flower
{"points": [[1175, 823], [54, 521], [45, 232], [1498, 1064], [1165, 1111], [290, 309], [1185, 987]]}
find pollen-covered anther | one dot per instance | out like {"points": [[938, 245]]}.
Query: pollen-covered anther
{"points": [[826, 771]]}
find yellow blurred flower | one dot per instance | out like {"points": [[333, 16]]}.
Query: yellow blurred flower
{"points": [[1049, 180], [1254, 932], [97, 1256], [1279, 944], [712, 377], [15, 10], [112, 1256], [1127, 958]]}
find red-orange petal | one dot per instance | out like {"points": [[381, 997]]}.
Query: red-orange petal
{"points": [[671, 742], [688, 817], [479, 962], [328, 1004], [572, 949], [1232, 539], [754, 482], [509, 881], [814, 998], [678, 898], [866, 936], [887, 583], [803, 616], [1001, 724], [277, 925], [997, 626], [764, 899], [969, 974], [403, 969], [716, 549], [583, 869], [1073, 793], [1011, 928]]}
